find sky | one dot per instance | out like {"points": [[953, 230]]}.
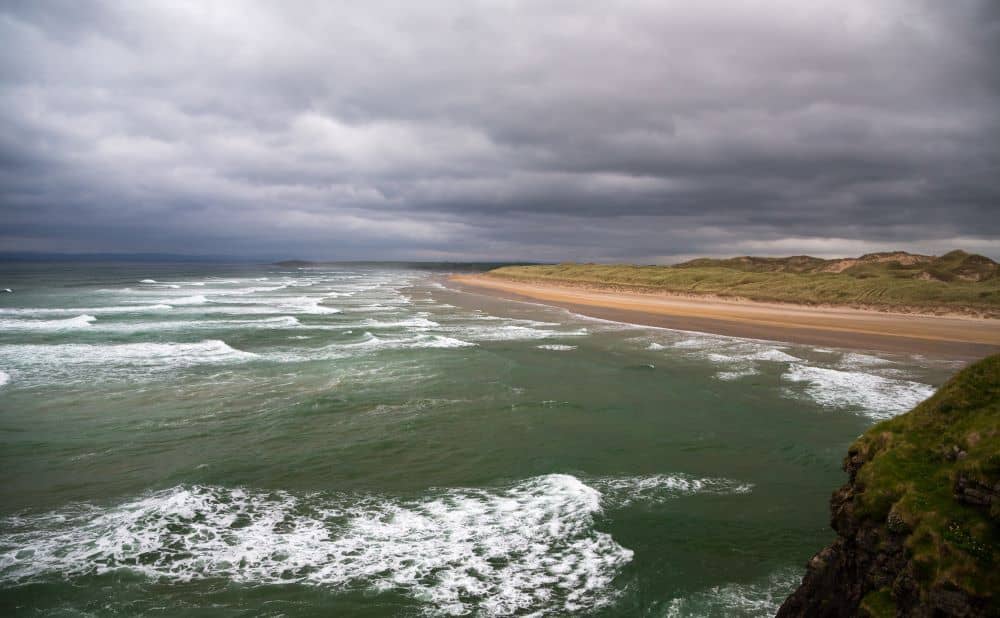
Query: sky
{"points": [[590, 131]]}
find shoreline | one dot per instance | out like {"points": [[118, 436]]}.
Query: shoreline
{"points": [[955, 337]]}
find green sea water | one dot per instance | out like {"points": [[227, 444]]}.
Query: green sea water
{"points": [[355, 440]]}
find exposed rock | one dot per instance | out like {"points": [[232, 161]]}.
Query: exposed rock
{"points": [[902, 549]]}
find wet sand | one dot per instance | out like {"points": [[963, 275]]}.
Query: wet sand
{"points": [[953, 337]]}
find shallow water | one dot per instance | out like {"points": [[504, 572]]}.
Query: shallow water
{"points": [[233, 440]]}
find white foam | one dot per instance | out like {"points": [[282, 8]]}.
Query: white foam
{"points": [[46, 311], [622, 491], [757, 598], [416, 323], [879, 397], [4, 378], [305, 304], [656, 346], [530, 547], [69, 361], [197, 299], [148, 281], [418, 341], [736, 374], [80, 321], [284, 321], [694, 343], [512, 332], [853, 360], [370, 308], [253, 290], [775, 356], [556, 347], [740, 357]]}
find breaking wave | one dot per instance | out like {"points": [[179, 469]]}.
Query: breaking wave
{"points": [[78, 361], [80, 321], [528, 547], [879, 397]]}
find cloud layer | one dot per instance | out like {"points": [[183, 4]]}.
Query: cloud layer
{"points": [[459, 130]]}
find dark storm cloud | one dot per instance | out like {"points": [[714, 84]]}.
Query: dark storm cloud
{"points": [[556, 130]]}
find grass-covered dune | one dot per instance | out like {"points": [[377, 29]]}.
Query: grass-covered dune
{"points": [[954, 282], [919, 521]]}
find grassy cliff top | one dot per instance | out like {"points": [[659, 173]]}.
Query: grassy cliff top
{"points": [[956, 281], [934, 474]]}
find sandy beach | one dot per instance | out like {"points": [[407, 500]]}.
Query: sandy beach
{"points": [[956, 337]]}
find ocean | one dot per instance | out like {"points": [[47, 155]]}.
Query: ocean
{"points": [[363, 440]]}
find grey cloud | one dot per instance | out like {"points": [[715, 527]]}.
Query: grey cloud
{"points": [[500, 130]]}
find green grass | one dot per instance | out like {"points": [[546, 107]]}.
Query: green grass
{"points": [[953, 282], [908, 481], [879, 604]]}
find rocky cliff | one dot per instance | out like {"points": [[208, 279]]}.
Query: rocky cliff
{"points": [[918, 522]]}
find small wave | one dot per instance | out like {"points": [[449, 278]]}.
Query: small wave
{"points": [[285, 321], [775, 356], [305, 304], [148, 281], [513, 332], [419, 323], [879, 397], [556, 347], [46, 311], [4, 378], [418, 341], [197, 299], [736, 374], [80, 321], [854, 360], [623, 491], [760, 598], [374, 308]]}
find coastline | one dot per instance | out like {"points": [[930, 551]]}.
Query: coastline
{"points": [[957, 337]]}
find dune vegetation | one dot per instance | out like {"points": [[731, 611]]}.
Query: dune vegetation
{"points": [[954, 282]]}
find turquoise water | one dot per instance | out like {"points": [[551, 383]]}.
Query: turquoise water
{"points": [[365, 441]]}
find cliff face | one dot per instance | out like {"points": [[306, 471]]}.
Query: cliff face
{"points": [[918, 522]]}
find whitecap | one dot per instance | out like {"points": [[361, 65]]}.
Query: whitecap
{"points": [[775, 356], [512, 332], [305, 304], [556, 347], [284, 321], [80, 321], [853, 360], [4, 378], [50, 311], [417, 323], [879, 397], [48, 363], [736, 374], [197, 299], [626, 490], [759, 598]]}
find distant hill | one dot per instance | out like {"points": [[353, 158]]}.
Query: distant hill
{"points": [[948, 267], [899, 281]]}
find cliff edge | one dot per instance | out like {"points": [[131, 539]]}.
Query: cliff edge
{"points": [[918, 523]]}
